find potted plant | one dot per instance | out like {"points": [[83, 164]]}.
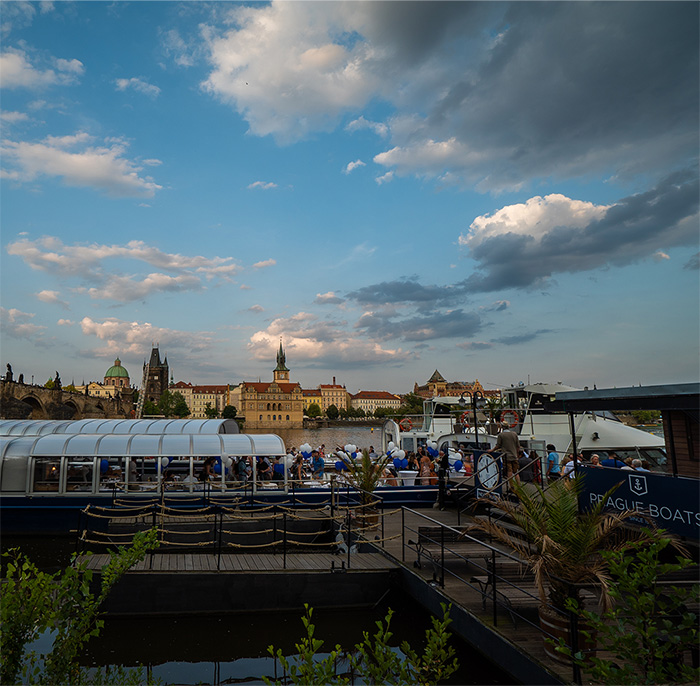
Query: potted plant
{"points": [[365, 475], [562, 547]]}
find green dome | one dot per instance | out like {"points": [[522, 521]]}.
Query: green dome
{"points": [[117, 370]]}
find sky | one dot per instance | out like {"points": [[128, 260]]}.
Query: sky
{"points": [[501, 191]]}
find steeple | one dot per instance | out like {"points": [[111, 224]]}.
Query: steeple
{"points": [[281, 373]]}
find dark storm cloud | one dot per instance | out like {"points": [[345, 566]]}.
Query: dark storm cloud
{"points": [[571, 89], [452, 324], [522, 338], [404, 291], [633, 229]]}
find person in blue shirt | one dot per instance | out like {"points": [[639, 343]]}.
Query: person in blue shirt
{"points": [[318, 464], [612, 460], [553, 467]]}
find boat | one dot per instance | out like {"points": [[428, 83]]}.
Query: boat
{"points": [[49, 474], [449, 422]]}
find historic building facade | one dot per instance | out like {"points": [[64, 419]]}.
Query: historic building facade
{"points": [[333, 394], [275, 405], [369, 401], [197, 397], [437, 385]]}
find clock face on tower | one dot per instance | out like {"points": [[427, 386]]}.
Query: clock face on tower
{"points": [[487, 471]]}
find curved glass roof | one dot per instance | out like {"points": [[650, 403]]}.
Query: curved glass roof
{"points": [[39, 427], [142, 445]]}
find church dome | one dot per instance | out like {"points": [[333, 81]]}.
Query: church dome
{"points": [[117, 371]]}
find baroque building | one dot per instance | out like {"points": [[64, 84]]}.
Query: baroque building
{"points": [[437, 385], [198, 396], [270, 405], [369, 401]]}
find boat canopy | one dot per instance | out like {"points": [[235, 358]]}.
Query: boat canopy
{"points": [[38, 427], [141, 445]]}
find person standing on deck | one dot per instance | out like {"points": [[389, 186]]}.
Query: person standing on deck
{"points": [[509, 444], [553, 468]]}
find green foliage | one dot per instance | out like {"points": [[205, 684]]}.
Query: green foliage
{"points": [[412, 404], [649, 628], [173, 404], [305, 668], [364, 474], [229, 412], [332, 412], [211, 412], [49, 384], [563, 547], [34, 603], [373, 660], [646, 416], [313, 410], [150, 408]]}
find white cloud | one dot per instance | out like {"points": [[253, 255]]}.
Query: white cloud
{"points": [[384, 178], [244, 287], [51, 297], [256, 308], [65, 322], [17, 324], [262, 185], [139, 85], [16, 71], [353, 165], [265, 263], [660, 256], [361, 123], [312, 340], [329, 298], [536, 218], [87, 263], [13, 117], [122, 338], [129, 288], [175, 47], [100, 167]]}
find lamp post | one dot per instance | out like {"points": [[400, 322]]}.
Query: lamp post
{"points": [[475, 397]]}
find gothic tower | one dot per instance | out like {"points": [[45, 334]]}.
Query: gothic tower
{"points": [[281, 373]]}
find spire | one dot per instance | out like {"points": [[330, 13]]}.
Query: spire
{"points": [[281, 360]]}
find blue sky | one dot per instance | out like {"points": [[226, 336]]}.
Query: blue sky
{"points": [[499, 191]]}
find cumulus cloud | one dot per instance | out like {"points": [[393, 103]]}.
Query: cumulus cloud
{"points": [[660, 256], [90, 264], [78, 162], [256, 308], [361, 124], [13, 117], [524, 245], [262, 185], [18, 324], [448, 324], [265, 263], [353, 165], [51, 297], [384, 178], [329, 298], [405, 291], [17, 71], [467, 82], [139, 85], [123, 338], [317, 342], [65, 322]]}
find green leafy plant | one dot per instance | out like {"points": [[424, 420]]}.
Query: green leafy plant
{"points": [[364, 474], [562, 547], [649, 627], [373, 660], [35, 603]]}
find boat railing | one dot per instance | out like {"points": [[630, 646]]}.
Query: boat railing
{"points": [[499, 578]]}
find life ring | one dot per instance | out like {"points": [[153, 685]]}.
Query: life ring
{"points": [[510, 417], [464, 419], [405, 424]]}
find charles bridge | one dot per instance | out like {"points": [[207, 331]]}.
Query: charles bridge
{"points": [[26, 401]]}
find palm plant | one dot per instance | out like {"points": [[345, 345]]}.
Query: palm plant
{"points": [[364, 474], [563, 547]]}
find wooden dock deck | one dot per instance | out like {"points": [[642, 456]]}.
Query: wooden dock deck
{"points": [[248, 562]]}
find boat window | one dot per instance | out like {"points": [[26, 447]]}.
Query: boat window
{"points": [[658, 462], [112, 473], [46, 473], [79, 472], [606, 414]]}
